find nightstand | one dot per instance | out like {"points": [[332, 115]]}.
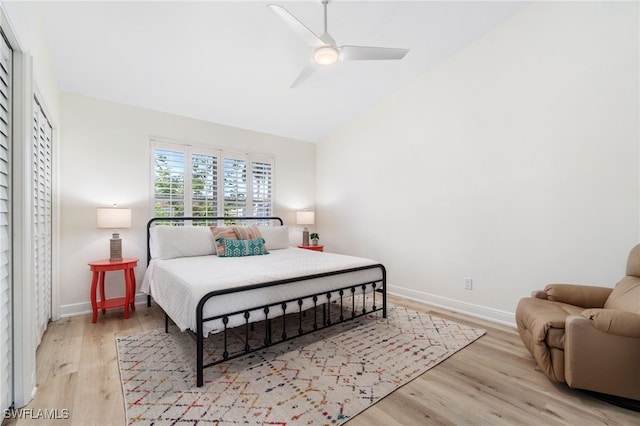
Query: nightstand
{"points": [[319, 247], [99, 269]]}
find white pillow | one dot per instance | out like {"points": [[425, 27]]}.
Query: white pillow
{"points": [[168, 242], [275, 237]]}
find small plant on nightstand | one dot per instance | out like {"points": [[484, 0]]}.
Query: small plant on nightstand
{"points": [[314, 238]]}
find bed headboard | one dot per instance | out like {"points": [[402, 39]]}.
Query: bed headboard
{"points": [[205, 221]]}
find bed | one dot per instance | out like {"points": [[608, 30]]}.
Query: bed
{"points": [[206, 282]]}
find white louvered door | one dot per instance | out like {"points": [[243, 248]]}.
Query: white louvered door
{"points": [[6, 315], [41, 210]]}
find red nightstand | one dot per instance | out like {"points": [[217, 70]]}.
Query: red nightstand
{"points": [[314, 248], [99, 268]]}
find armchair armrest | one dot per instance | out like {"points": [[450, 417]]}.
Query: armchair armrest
{"points": [[578, 295], [603, 361], [612, 321], [539, 294]]}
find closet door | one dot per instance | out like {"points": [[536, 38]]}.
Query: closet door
{"points": [[6, 315], [41, 208]]}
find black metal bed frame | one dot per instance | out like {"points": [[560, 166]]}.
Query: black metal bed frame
{"points": [[347, 308]]}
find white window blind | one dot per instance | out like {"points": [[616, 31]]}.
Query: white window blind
{"points": [[262, 181], [41, 210], [191, 181], [235, 186], [169, 182], [6, 317], [204, 184]]}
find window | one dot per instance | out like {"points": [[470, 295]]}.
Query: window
{"points": [[191, 181]]}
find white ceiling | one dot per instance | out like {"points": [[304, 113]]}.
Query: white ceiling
{"points": [[233, 62]]}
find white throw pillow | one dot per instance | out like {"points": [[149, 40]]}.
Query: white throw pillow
{"points": [[169, 242], [275, 237]]}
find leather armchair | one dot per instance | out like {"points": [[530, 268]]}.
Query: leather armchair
{"points": [[587, 337]]}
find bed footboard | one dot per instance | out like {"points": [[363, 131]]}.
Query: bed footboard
{"points": [[347, 303]]}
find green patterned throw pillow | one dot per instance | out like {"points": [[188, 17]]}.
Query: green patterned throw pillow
{"points": [[237, 248]]}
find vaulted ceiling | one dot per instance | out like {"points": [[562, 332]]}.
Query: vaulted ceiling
{"points": [[233, 62]]}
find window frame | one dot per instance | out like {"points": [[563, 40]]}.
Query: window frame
{"points": [[221, 155]]}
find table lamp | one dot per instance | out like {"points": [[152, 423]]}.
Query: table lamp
{"points": [[114, 218], [305, 218]]}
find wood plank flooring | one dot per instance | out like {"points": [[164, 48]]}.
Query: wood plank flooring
{"points": [[494, 381]]}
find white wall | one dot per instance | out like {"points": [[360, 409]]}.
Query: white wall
{"points": [[105, 159], [515, 162], [26, 19]]}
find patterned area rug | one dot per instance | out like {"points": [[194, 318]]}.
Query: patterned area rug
{"points": [[322, 378]]}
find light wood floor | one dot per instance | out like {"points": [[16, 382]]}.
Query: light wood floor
{"points": [[494, 381]]}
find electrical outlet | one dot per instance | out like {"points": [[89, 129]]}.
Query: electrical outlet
{"points": [[468, 284]]}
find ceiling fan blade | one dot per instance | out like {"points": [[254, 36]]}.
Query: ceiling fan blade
{"points": [[305, 74], [364, 53], [298, 27]]}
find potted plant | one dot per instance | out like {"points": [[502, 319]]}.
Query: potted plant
{"points": [[314, 238]]}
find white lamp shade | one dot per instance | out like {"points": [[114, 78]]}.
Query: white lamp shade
{"points": [[114, 218], [305, 218]]}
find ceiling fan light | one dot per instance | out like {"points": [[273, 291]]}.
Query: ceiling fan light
{"points": [[325, 55]]}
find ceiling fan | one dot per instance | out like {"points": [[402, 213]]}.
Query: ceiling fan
{"points": [[325, 48]]}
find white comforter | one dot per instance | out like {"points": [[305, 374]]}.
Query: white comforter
{"points": [[177, 285]]}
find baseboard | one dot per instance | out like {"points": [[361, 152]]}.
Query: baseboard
{"points": [[84, 308], [477, 311], [483, 312]]}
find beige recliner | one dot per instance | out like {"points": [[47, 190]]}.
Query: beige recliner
{"points": [[588, 337]]}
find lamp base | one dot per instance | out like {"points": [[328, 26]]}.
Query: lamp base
{"points": [[115, 254], [305, 237]]}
